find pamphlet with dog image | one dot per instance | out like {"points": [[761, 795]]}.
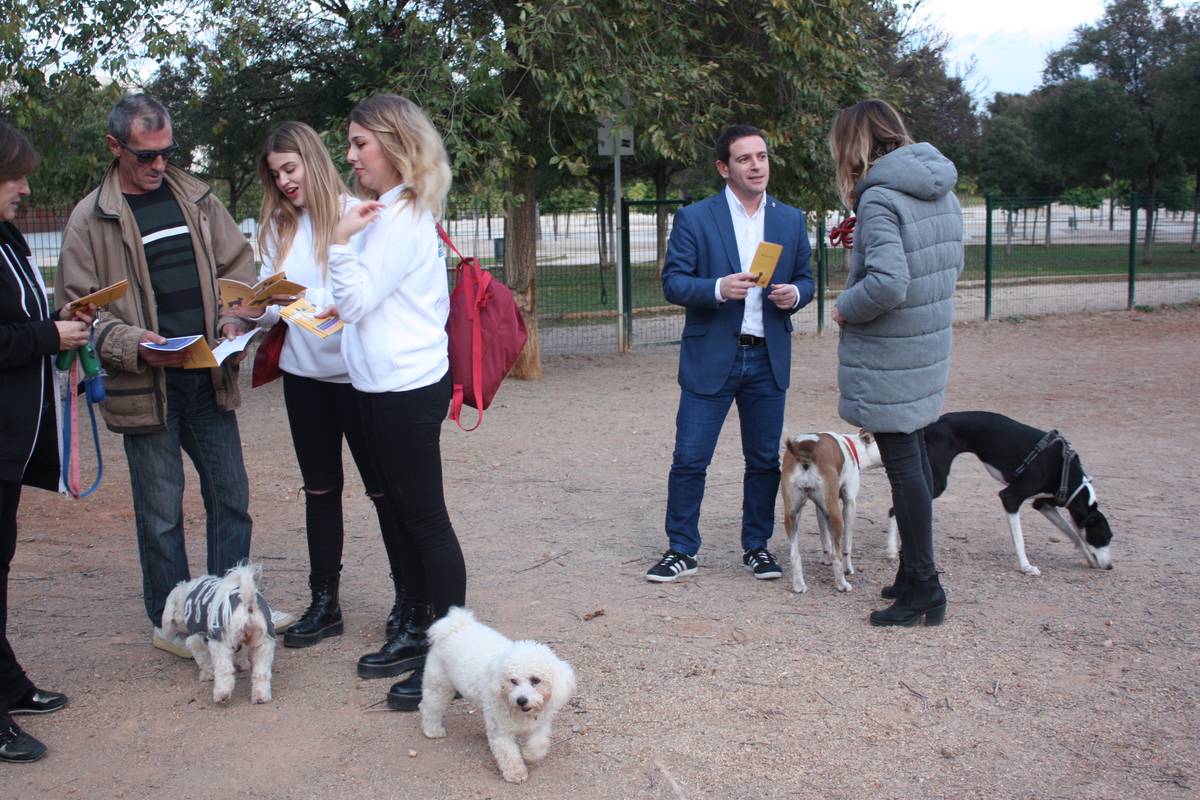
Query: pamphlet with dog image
{"points": [[304, 314], [765, 259], [235, 294], [199, 354]]}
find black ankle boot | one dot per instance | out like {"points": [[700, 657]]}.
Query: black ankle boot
{"points": [[406, 695], [918, 598], [893, 591], [396, 615], [323, 617], [405, 650]]}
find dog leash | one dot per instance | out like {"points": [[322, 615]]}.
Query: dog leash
{"points": [[93, 389], [843, 233]]}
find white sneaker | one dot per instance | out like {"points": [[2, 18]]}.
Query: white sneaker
{"points": [[282, 620], [173, 645]]}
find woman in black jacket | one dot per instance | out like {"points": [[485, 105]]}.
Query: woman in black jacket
{"points": [[30, 335]]}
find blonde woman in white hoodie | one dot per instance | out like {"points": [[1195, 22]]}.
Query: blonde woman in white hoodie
{"points": [[391, 290], [303, 198]]}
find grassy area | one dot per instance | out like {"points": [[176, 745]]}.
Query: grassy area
{"points": [[583, 291]]}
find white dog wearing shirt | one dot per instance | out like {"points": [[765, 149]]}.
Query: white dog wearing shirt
{"points": [[520, 686]]}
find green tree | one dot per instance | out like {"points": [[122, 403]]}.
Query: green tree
{"points": [[1132, 46]]}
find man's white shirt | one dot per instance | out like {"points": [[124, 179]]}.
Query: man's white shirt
{"points": [[748, 230]]}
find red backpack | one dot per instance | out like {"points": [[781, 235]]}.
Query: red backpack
{"points": [[486, 334]]}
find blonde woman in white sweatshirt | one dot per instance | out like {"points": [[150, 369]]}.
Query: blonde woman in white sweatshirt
{"points": [[391, 291], [303, 198]]}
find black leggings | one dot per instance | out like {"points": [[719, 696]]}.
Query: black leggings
{"points": [[907, 465], [404, 432], [320, 414], [13, 683]]}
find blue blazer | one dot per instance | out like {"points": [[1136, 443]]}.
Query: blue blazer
{"points": [[702, 250]]}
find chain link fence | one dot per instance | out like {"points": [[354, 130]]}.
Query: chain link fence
{"points": [[1025, 256]]}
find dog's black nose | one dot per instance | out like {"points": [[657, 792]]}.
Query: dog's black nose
{"points": [[522, 701], [1109, 566]]}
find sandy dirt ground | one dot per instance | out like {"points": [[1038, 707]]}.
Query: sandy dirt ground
{"points": [[1076, 684]]}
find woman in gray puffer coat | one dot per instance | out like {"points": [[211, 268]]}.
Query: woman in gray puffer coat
{"points": [[896, 312]]}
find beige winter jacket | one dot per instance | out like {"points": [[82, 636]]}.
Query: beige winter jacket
{"points": [[102, 245]]}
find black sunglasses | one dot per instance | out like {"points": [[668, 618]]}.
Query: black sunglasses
{"points": [[148, 156]]}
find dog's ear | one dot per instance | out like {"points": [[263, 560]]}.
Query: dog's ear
{"points": [[562, 683], [866, 435], [1095, 525]]}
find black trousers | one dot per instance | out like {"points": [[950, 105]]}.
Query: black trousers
{"points": [[909, 473], [404, 432], [13, 683], [321, 414]]}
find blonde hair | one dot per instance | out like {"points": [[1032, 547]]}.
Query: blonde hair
{"points": [[411, 145], [861, 135], [323, 191]]}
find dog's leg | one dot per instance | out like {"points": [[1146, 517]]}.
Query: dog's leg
{"points": [[791, 521], [222, 661], [199, 649], [261, 658], [823, 525], [1018, 539], [1054, 515], [798, 584], [436, 694], [507, 752], [849, 510], [892, 547], [538, 743], [837, 529]]}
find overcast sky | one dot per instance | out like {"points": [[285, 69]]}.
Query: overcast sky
{"points": [[1009, 39]]}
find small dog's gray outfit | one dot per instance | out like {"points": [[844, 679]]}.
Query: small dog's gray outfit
{"points": [[203, 615]]}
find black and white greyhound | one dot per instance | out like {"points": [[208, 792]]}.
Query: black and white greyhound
{"points": [[1032, 464]]}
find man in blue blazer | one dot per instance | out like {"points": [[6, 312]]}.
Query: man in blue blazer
{"points": [[736, 346]]}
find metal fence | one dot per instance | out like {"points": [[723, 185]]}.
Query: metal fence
{"points": [[1024, 256]]}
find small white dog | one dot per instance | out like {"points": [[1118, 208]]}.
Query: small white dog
{"points": [[225, 620], [825, 468], [520, 686]]}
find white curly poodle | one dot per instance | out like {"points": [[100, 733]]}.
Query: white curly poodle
{"points": [[520, 686]]}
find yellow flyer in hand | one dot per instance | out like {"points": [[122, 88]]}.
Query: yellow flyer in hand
{"points": [[304, 314], [102, 297], [765, 259]]}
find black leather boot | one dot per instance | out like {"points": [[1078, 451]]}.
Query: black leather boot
{"points": [[404, 651], [893, 591], [323, 617], [406, 695], [395, 616], [918, 598]]}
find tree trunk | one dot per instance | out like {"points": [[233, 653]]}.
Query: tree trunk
{"points": [[1008, 230], [660, 216], [1049, 206], [1148, 245], [520, 267], [1112, 205]]}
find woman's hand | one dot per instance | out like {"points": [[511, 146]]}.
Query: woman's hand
{"points": [[325, 313], [837, 316], [72, 334], [356, 219], [85, 314]]}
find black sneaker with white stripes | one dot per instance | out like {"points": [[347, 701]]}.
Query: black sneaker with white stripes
{"points": [[671, 566], [761, 563]]}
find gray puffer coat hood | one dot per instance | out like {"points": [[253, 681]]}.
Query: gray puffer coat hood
{"points": [[894, 351]]}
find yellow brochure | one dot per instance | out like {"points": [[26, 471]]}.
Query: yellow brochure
{"points": [[102, 297], [304, 314], [765, 259]]}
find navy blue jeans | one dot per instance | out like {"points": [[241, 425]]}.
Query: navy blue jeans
{"points": [[209, 435], [760, 402]]}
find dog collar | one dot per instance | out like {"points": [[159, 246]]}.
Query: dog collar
{"points": [[853, 450]]}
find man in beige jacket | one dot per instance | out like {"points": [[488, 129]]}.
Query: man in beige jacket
{"points": [[165, 232]]}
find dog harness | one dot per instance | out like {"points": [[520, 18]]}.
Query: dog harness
{"points": [[205, 611], [1061, 497], [853, 450]]}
